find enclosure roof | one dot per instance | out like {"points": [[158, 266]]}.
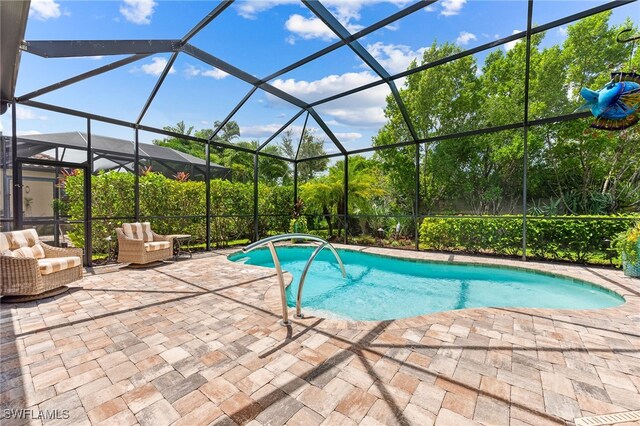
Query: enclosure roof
{"points": [[13, 22], [330, 67]]}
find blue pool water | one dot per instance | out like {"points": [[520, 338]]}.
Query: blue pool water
{"points": [[381, 287]]}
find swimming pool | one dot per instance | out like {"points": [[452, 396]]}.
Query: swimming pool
{"points": [[381, 287]]}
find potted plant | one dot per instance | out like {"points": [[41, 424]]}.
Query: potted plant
{"points": [[628, 246]]}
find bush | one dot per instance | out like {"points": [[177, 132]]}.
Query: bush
{"points": [[164, 199], [275, 206], [298, 226], [627, 244], [575, 238]]}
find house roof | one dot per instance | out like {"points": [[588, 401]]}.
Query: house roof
{"points": [[121, 151]]}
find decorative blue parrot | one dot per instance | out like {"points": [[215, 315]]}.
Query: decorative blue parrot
{"points": [[615, 106]]}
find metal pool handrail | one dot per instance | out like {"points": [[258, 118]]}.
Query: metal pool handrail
{"points": [[276, 261]]}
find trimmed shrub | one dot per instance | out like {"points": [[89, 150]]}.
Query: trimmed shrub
{"points": [[165, 199], [575, 238]]}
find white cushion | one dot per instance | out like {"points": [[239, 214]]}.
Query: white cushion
{"points": [[54, 264], [157, 245], [138, 231], [16, 239], [5, 245], [34, 251]]}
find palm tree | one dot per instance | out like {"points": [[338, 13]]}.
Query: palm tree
{"points": [[325, 194]]}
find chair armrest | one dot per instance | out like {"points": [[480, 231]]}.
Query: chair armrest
{"points": [[50, 251], [16, 272], [158, 237]]}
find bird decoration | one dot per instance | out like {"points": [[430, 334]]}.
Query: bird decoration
{"points": [[616, 105]]}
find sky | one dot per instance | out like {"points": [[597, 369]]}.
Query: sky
{"points": [[259, 37]]}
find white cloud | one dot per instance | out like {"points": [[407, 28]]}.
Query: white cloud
{"points": [[348, 136], [394, 57], [563, 31], [156, 66], [23, 113], [347, 12], [44, 9], [465, 37], [268, 130], [309, 28], [251, 9], [192, 71], [290, 40], [510, 45], [371, 116], [430, 8], [312, 27], [314, 90], [344, 10], [362, 109], [260, 130], [451, 7], [138, 11], [215, 73]]}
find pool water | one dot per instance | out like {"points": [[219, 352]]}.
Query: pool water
{"points": [[381, 287]]}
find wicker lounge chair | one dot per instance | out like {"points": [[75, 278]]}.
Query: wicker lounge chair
{"points": [[31, 269], [138, 244]]}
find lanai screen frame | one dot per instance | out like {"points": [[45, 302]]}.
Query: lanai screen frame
{"points": [[139, 49]]}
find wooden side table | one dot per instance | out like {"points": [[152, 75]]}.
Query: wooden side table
{"points": [[180, 245]]}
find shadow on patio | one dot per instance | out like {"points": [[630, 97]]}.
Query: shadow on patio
{"points": [[199, 348]]}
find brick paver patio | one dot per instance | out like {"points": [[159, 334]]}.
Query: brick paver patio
{"points": [[199, 342]]}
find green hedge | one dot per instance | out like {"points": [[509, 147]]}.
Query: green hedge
{"points": [[231, 207], [581, 239]]}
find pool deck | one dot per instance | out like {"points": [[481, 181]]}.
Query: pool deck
{"points": [[199, 342]]}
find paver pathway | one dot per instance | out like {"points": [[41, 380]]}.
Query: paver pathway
{"points": [[199, 342]]}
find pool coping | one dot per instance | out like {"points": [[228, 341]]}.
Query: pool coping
{"points": [[574, 273]]}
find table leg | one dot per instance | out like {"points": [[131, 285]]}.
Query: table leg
{"points": [[176, 249], [188, 251], [179, 251]]}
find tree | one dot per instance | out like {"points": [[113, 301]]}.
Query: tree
{"points": [[187, 146], [586, 170], [310, 146], [581, 170], [440, 100], [273, 171], [325, 195]]}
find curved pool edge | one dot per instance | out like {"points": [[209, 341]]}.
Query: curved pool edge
{"points": [[571, 272]]}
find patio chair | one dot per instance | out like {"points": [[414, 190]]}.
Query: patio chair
{"points": [[139, 245], [31, 269]]}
